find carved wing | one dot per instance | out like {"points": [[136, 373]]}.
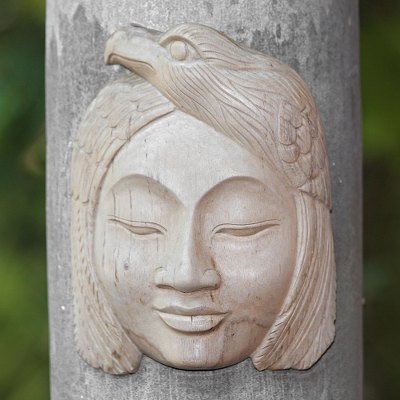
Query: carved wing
{"points": [[301, 148], [271, 112], [118, 112], [287, 119]]}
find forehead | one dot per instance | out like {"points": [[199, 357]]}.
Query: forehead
{"points": [[189, 158]]}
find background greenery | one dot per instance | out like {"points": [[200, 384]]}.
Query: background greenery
{"points": [[23, 307]]}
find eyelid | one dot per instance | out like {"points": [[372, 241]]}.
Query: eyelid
{"points": [[244, 230], [140, 228], [174, 38]]}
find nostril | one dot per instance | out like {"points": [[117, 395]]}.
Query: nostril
{"points": [[211, 278], [160, 277]]}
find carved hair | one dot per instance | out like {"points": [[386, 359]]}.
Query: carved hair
{"points": [[118, 112], [304, 327]]}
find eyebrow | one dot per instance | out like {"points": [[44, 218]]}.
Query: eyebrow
{"points": [[147, 182], [247, 178], [162, 190]]}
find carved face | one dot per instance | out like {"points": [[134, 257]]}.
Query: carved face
{"points": [[195, 244]]}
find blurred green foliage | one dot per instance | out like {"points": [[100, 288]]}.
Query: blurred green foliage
{"points": [[380, 68], [23, 305]]}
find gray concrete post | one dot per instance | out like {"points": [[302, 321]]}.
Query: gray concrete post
{"points": [[318, 38]]}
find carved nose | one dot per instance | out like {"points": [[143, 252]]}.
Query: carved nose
{"points": [[189, 274]]}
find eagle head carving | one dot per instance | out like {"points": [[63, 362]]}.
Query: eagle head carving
{"points": [[251, 97]]}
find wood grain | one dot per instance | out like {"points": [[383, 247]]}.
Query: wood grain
{"points": [[264, 107]]}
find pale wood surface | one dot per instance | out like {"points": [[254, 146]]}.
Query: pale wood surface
{"points": [[201, 230], [320, 42]]}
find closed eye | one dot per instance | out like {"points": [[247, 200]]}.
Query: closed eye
{"points": [[139, 228], [244, 230]]}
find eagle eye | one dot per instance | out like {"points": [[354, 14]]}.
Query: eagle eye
{"points": [[181, 51]]}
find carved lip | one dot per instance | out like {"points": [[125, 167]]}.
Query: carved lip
{"points": [[197, 319]]}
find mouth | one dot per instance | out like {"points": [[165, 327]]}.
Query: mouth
{"points": [[191, 320], [114, 58]]}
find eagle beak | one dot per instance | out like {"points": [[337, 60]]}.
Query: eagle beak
{"points": [[136, 48]]}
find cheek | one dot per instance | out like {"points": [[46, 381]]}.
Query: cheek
{"points": [[256, 273], [125, 267]]}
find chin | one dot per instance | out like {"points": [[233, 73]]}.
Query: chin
{"points": [[200, 352], [201, 362], [192, 364]]}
